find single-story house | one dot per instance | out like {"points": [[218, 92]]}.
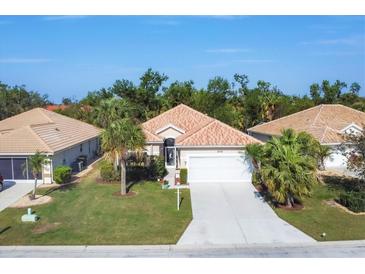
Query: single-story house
{"points": [[327, 123], [212, 151], [61, 138]]}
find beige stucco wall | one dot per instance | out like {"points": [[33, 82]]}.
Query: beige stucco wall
{"points": [[67, 156], [169, 133], [183, 153]]}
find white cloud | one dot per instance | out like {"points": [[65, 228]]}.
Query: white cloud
{"points": [[337, 53], [228, 50], [253, 61], [350, 41], [63, 17], [235, 62], [228, 17], [24, 60]]}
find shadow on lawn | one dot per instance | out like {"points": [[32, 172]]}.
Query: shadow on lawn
{"points": [[4, 229], [66, 187]]}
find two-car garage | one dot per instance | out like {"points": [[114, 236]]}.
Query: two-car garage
{"points": [[218, 167]]}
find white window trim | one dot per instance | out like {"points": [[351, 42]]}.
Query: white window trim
{"points": [[170, 126]]}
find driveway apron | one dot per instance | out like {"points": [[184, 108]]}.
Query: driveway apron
{"points": [[235, 213], [13, 192]]}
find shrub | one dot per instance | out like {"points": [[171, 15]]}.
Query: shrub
{"points": [[157, 168], [183, 175], [355, 201], [107, 172], [137, 173], [347, 184], [62, 174]]}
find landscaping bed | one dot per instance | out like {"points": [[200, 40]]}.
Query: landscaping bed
{"points": [[320, 216], [89, 214]]}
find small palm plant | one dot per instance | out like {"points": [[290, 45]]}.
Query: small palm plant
{"points": [[35, 164], [255, 152], [323, 153], [117, 139]]}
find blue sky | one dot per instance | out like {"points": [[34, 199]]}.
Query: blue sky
{"points": [[67, 56]]}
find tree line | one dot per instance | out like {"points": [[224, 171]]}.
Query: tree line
{"points": [[234, 103]]}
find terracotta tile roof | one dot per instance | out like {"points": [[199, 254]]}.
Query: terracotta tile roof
{"points": [[56, 107], [216, 133], [42, 130], [22, 140], [200, 129], [324, 122]]}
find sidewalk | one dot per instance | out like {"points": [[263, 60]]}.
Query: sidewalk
{"points": [[342, 249]]}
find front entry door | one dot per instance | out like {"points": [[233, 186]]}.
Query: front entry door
{"points": [[170, 156]]}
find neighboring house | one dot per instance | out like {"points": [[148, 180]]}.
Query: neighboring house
{"points": [[56, 107], [61, 138], [211, 150], [327, 123]]}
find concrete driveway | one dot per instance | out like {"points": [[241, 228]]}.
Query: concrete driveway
{"points": [[234, 213], [13, 192]]}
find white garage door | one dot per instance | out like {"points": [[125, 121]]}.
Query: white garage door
{"points": [[219, 168]]}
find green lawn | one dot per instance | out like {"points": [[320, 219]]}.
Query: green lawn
{"points": [[318, 217], [89, 214]]}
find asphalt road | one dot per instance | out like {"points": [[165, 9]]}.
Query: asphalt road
{"points": [[350, 249]]}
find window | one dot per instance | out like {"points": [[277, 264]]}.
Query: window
{"points": [[20, 168], [81, 148], [6, 168]]}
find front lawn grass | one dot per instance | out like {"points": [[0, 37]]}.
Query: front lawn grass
{"points": [[89, 214], [318, 217]]}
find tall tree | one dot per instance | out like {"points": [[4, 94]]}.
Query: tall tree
{"points": [[117, 139], [179, 92], [110, 110], [17, 99]]}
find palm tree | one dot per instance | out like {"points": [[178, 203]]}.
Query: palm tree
{"points": [[286, 168], [35, 164], [110, 110], [117, 139], [255, 152], [323, 153], [287, 172]]}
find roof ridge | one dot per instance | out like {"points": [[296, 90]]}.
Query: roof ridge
{"points": [[284, 117], [235, 129], [42, 111], [174, 108], [225, 125], [193, 132], [323, 134], [319, 112], [39, 138], [353, 109], [155, 135]]}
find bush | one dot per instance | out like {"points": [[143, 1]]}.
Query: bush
{"points": [[183, 175], [347, 184], [137, 173], [62, 174], [157, 168], [107, 172], [355, 201]]}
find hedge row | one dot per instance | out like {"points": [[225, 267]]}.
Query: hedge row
{"points": [[354, 201]]}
